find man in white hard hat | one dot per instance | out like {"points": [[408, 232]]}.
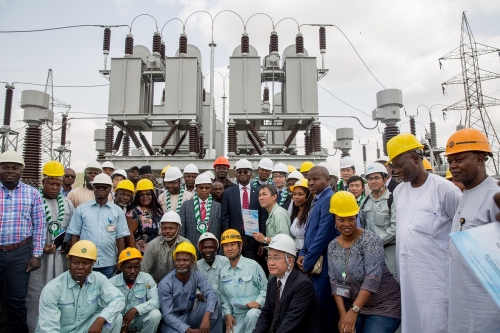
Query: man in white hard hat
{"points": [[68, 181], [175, 194], [102, 222], [264, 170], [157, 259], [22, 231], [201, 213], [347, 170], [108, 168], [279, 174], [85, 192], [291, 302], [190, 173], [117, 176], [390, 182], [334, 176]]}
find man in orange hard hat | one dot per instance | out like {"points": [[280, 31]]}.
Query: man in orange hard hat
{"points": [[472, 309], [221, 167]]}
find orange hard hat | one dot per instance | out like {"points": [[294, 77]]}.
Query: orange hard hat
{"points": [[221, 160], [467, 139]]}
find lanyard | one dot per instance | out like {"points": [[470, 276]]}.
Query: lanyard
{"points": [[346, 261]]}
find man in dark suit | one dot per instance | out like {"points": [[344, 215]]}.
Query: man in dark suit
{"points": [[390, 183], [202, 213], [243, 196], [320, 231], [291, 303]]}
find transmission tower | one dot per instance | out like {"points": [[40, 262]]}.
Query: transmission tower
{"points": [[475, 103]]}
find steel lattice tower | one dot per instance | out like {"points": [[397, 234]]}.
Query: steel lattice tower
{"points": [[475, 102]]}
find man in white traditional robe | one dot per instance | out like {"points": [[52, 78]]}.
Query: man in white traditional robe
{"points": [[426, 204], [471, 307]]}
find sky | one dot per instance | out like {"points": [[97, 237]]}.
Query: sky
{"points": [[400, 42]]}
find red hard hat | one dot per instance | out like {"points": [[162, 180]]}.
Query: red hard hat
{"points": [[221, 160]]}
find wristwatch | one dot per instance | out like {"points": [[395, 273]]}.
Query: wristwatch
{"points": [[355, 308], [39, 256]]}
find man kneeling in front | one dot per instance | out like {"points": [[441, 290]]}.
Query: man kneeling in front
{"points": [[80, 300], [141, 312], [184, 311]]}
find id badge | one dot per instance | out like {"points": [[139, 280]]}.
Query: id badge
{"points": [[111, 228], [343, 290]]}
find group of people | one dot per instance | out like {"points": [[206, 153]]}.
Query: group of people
{"points": [[289, 250]]}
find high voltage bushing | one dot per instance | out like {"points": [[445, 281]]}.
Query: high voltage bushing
{"points": [[110, 134], [201, 153], [193, 138], [106, 41], [299, 44], [169, 135], [307, 143], [146, 144], [316, 137], [254, 144], [132, 135], [413, 128], [292, 135], [273, 42], [265, 96], [345, 153], [118, 141], [179, 144], [32, 155], [322, 38], [7, 113], [245, 43], [378, 152], [433, 134], [129, 45], [126, 145], [183, 42], [364, 153], [232, 141], [204, 94], [64, 129], [390, 131], [255, 134], [157, 43], [162, 50]]}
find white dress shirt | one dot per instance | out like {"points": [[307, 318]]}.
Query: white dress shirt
{"points": [[241, 194]]}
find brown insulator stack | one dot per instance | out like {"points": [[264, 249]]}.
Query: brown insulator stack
{"points": [[156, 43], [390, 131], [204, 94], [64, 129], [201, 153], [322, 38], [146, 144], [194, 139], [32, 155], [7, 112], [413, 128], [179, 144], [344, 154], [255, 134], [273, 44], [245, 44], [126, 145], [292, 135], [100, 156], [118, 141], [132, 135], [315, 137], [183, 42], [265, 96], [162, 50], [106, 41], [254, 144], [129, 45], [307, 144], [232, 139], [109, 135], [299, 44], [169, 135]]}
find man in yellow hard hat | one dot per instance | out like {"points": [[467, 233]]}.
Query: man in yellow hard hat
{"points": [[80, 300], [425, 205], [427, 165], [58, 212], [141, 312], [242, 286], [124, 194], [182, 309], [305, 167], [472, 309]]}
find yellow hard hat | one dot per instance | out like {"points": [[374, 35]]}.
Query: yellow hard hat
{"points": [[83, 249], [301, 182], [448, 174], [128, 254], [165, 170], [144, 185], [306, 166], [125, 185], [467, 139], [344, 204], [230, 236], [291, 168], [53, 169], [401, 144], [186, 248], [427, 164]]}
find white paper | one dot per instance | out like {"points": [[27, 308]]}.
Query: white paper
{"points": [[250, 221]]}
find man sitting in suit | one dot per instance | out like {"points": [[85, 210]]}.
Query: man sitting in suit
{"points": [[202, 213], [243, 196], [291, 303]]}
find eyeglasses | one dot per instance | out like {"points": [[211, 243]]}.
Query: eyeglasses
{"points": [[102, 187], [278, 176], [243, 171], [274, 259], [70, 176], [374, 178]]}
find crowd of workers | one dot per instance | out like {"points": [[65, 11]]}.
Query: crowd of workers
{"points": [[287, 251]]}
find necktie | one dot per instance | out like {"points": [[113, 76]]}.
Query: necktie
{"points": [[246, 201], [310, 211], [276, 313], [280, 195], [203, 211]]}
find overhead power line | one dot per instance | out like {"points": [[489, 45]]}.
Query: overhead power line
{"points": [[65, 86], [343, 101], [66, 27]]}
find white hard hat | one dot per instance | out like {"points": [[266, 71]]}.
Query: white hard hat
{"points": [[203, 179], [374, 168], [243, 164], [210, 174], [295, 175], [208, 235], [346, 162], [384, 159], [172, 174], [266, 164], [119, 172], [171, 217], [283, 242], [102, 178], [191, 168], [12, 156], [108, 164], [331, 170], [281, 167], [93, 165]]}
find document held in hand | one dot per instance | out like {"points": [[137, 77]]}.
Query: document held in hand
{"points": [[250, 221]]}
